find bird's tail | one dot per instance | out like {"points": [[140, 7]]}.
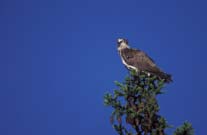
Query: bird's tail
{"points": [[167, 77]]}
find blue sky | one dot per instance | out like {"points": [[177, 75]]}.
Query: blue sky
{"points": [[58, 58]]}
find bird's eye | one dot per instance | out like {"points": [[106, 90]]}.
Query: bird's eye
{"points": [[120, 41]]}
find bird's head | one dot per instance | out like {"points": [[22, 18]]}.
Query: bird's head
{"points": [[122, 43]]}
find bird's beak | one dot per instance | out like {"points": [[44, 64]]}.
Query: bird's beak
{"points": [[118, 44]]}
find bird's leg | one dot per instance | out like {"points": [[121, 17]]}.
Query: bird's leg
{"points": [[138, 73], [136, 77]]}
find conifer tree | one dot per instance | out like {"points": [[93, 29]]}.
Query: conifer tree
{"points": [[135, 107]]}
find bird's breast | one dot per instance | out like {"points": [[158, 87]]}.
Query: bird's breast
{"points": [[125, 62]]}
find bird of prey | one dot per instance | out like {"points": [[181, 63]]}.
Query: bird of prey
{"points": [[135, 59]]}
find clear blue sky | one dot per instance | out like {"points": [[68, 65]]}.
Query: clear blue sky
{"points": [[58, 58]]}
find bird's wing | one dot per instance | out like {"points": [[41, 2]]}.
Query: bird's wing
{"points": [[140, 60]]}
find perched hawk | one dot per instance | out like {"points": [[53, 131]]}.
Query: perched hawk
{"points": [[138, 60]]}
